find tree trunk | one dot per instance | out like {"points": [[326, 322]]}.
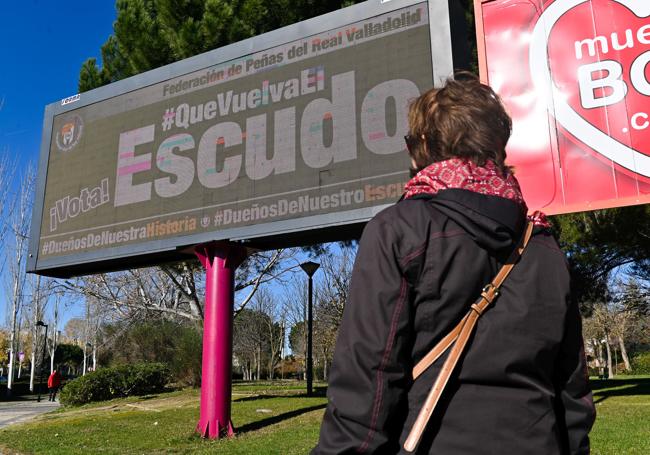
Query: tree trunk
{"points": [[32, 371], [599, 354], [610, 370], [626, 360], [325, 369], [10, 373], [13, 338], [85, 356], [55, 335], [37, 315]]}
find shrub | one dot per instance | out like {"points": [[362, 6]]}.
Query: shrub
{"points": [[179, 346], [186, 364], [641, 363], [116, 382]]}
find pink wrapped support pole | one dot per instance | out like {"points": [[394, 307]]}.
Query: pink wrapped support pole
{"points": [[220, 261]]}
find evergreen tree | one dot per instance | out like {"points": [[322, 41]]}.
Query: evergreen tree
{"points": [[148, 34], [598, 242]]}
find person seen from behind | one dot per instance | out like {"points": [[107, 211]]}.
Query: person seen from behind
{"points": [[521, 385], [53, 384]]}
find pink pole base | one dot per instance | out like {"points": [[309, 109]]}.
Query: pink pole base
{"points": [[220, 261]]}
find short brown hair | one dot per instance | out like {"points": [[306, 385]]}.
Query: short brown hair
{"points": [[463, 119]]}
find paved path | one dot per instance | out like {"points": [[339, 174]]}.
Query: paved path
{"points": [[18, 411]]}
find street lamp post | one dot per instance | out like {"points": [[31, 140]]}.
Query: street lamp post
{"points": [[40, 380], [309, 268]]}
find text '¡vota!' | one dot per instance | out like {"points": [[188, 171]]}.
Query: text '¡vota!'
{"points": [[71, 207]]}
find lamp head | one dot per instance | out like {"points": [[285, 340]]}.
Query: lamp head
{"points": [[309, 267]]}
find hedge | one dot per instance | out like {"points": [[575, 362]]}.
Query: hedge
{"points": [[641, 363], [116, 382]]}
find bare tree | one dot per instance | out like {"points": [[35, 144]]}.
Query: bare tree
{"points": [[138, 293], [19, 229], [174, 291], [8, 169], [332, 294], [606, 327], [334, 284], [93, 319], [54, 339], [295, 307], [249, 342], [265, 303], [621, 322], [74, 330], [37, 312]]}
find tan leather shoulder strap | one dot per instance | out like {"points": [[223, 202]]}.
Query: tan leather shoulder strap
{"points": [[459, 337], [490, 291]]}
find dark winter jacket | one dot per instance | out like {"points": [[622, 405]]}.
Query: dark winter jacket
{"points": [[522, 386]]}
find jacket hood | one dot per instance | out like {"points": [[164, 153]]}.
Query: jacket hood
{"points": [[495, 223]]}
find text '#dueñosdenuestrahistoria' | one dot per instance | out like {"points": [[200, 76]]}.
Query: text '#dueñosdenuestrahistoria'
{"points": [[224, 217]]}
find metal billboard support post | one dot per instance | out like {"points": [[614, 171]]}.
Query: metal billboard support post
{"points": [[220, 261]]}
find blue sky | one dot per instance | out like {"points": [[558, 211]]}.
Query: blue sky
{"points": [[42, 46]]}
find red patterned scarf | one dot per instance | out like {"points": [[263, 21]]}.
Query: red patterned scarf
{"points": [[462, 174]]}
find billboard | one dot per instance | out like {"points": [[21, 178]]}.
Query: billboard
{"points": [[294, 131], [574, 76]]}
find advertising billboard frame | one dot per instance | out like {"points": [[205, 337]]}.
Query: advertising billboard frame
{"points": [[273, 234]]}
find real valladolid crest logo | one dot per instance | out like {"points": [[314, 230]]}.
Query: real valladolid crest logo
{"points": [[69, 134], [598, 93]]}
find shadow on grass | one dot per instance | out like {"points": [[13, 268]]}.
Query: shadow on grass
{"points": [[13, 398], [318, 392], [605, 388], [258, 425], [26, 396], [264, 397]]}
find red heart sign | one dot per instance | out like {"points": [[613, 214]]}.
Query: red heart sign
{"points": [[586, 64]]}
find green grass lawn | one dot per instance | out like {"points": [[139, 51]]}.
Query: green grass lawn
{"points": [[623, 416], [270, 418]]}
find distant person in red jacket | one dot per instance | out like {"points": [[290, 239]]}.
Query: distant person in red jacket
{"points": [[53, 383]]}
